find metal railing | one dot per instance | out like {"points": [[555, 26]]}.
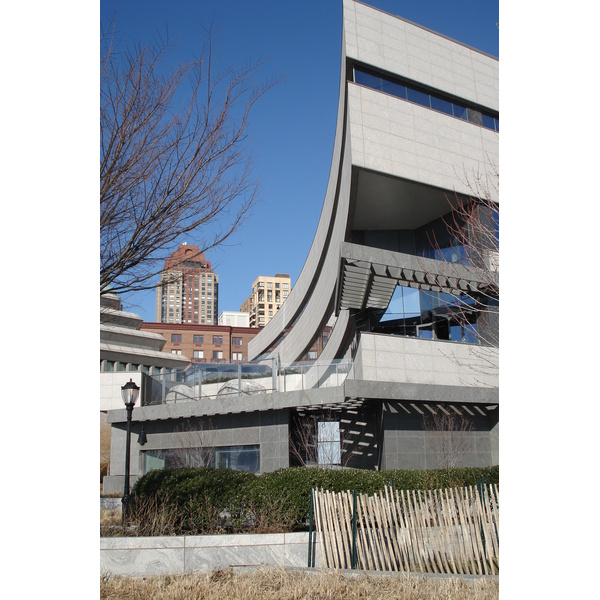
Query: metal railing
{"points": [[200, 381]]}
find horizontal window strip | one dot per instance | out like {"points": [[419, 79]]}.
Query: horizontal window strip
{"points": [[414, 94]]}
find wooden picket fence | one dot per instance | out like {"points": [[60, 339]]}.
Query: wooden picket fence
{"points": [[436, 531]]}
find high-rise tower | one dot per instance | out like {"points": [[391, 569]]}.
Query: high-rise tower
{"points": [[189, 289], [268, 294]]}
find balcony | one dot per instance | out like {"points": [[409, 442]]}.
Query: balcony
{"points": [[203, 381]]}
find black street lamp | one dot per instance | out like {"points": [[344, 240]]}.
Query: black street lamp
{"points": [[129, 392]]}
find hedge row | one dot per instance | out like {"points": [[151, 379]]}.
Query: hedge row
{"points": [[206, 500]]}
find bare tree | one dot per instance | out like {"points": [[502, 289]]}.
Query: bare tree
{"points": [[196, 445], [465, 247], [449, 436], [470, 231], [174, 159]]}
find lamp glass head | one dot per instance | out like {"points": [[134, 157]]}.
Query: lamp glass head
{"points": [[130, 392]]}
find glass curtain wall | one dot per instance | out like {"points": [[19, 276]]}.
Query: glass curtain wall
{"points": [[430, 315]]}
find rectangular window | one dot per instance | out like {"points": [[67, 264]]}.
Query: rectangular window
{"points": [[441, 105], [238, 458], [176, 338], [217, 354], [198, 339], [470, 333], [217, 339], [175, 351], [488, 122], [236, 341], [474, 116], [418, 97], [425, 331], [393, 88], [460, 111], [237, 356], [367, 79], [198, 353], [328, 443]]}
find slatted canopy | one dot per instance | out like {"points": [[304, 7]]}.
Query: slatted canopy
{"points": [[368, 276]]}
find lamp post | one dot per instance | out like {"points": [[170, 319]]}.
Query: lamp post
{"points": [[129, 393]]}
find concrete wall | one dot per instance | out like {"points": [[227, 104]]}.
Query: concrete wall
{"points": [[407, 444], [131, 556], [359, 433], [383, 357], [269, 429], [406, 140], [358, 436], [110, 387], [397, 46]]}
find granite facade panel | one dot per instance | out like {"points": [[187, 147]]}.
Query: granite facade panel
{"points": [[188, 554]]}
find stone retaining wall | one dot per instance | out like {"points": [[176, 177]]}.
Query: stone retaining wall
{"points": [[111, 504], [186, 554]]}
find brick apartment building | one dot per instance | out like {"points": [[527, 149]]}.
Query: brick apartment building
{"points": [[205, 343]]}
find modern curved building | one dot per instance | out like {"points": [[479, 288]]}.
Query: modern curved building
{"points": [[417, 119], [398, 274]]}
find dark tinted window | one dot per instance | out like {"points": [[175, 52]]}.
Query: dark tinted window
{"points": [[470, 332], [393, 88], [418, 97], [441, 105], [389, 86], [496, 216], [488, 122], [460, 111], [367, 79]]}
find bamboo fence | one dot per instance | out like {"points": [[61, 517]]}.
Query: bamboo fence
{"points": [[435, 531]]}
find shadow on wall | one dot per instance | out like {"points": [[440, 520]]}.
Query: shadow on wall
{"points": [[439, 435], [332, 438]]}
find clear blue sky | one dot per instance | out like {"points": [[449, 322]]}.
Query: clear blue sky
{"points": [[293, 127]]}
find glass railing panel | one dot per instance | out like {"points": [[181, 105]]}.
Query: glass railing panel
{"points": [[209, 381]]}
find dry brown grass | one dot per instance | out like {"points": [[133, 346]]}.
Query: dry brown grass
{"points": [[110, 517], [280, 584]]}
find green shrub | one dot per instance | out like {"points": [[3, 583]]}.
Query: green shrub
{"points": [[208, 500]]}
